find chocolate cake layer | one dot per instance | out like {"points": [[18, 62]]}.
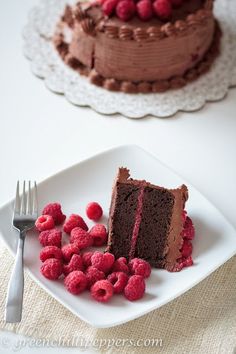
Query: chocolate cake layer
{"points": [[123, 219], [156, 219]]}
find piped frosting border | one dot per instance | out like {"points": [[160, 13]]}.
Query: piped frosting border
{"points": [[178, 28]]}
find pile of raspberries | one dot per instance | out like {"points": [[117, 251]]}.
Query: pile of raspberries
{"points": [[98, 272], [125, 10]]}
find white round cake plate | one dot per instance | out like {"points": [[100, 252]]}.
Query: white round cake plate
{"points": [[47, 64]]}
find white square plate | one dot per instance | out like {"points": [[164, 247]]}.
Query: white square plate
{"points": [[92, 180]]}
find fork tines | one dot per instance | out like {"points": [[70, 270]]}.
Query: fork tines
{"points": [[26, 204]]}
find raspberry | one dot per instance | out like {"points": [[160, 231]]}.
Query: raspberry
{"points": [[183, 262], [44, 222], [139, 266], [188, 231], [50, 237], [54, 209], [81, 238], [93, 275], [76, 282], [176, 3], [162, 9], [51, 268], [118, 280], [184, 215], [50, 252], [94, 211], [102, 290], [109, 6], [125, 10], [178, 267], [76, 263], [103, 261], [186, 249], [120, 265], [69, 250], [187, 262], [99, 235], [144, 10], [87, 258], [73, 221], [135, 288]]}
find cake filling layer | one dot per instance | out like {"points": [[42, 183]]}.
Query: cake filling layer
{"points": [[138, 219]]}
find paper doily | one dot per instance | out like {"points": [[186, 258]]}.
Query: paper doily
{"points": [[47, 64]]}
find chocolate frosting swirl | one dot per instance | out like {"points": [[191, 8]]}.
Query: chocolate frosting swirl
{"points": [[111, 31], [155, 32], [87, 25], [169, 29], [140, 34], [125, 33], [79, 13]]}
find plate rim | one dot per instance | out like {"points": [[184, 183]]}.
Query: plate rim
{"points": [[152, 308]]}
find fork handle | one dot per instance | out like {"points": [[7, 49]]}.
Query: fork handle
{"points": [[13, 310]]}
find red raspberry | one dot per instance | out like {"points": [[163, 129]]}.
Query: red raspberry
{"points": [[81, 238], [135, 288], [183, 262], [44, 222], [162, 9], [102, 290], [188, 231], [103, 261], [93, 275], [76, 282], [99, 235], [186, 249], [51, 268], [184, 215], [187, 262], [125, 10], [118, 280], [178, 267], [50, 238], [73, 221], [94, 211], [139, 266], [69, 250], [50, 252], [87, 258], [76, 263], [176, 3], [109, 7], [120, 265], [54, 209], [144, 10]]}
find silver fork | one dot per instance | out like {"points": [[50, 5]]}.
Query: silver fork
{"points": [[24, 217]]}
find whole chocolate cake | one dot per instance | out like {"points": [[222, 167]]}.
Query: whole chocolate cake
{"points": [[139, 46], [149, 222]]}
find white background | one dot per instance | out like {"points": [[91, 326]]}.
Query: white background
{"points": [[41, 133]]}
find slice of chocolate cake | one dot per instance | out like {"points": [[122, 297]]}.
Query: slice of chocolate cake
{"points": [[147, 221]]}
